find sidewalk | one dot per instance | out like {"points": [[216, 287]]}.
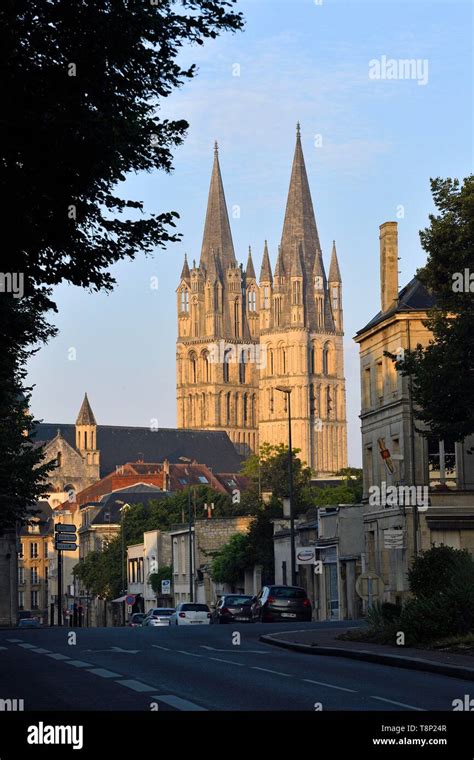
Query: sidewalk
{"points": [[324, 642]]}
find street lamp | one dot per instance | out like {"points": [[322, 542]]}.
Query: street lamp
{"points": [[190, 537], [123, 507], [287, 390]]}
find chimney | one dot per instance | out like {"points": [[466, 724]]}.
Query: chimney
{"points": [[388, 264]]}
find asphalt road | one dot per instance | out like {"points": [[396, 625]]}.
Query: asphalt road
{"points": [[202, 668]]}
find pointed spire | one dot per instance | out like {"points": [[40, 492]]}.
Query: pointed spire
{"points": [[249, 269], [296, 264], [280, 267], [334, 273], [318, 268], [266, 269], [185, 273], [86, 415], [300, 223], [217, 235]]}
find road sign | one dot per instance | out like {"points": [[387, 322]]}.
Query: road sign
{"points": [[130, 599], [64, 528], [63, 546], [165, 587], [394, 538], [369, 586]]}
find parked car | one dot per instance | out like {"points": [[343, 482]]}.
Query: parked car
{"points": [[159, 616], [191, 613], [29, 623], [233, 608], [281, 603], [136, 619]]}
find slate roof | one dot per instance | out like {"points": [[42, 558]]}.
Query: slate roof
{"points": [[413, 297], [119, 445]]}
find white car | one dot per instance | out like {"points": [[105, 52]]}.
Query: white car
{"points": [[191, 613], [159, 616]]}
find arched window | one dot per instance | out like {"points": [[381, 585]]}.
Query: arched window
{"points": [[227, 408], [242, 367], [206, 367], [266, 297], [296, 293], [85, 439], [328, 402], [326, 360], [190, 409], [184, 300], [252, 300], [312, 359], [335, 297], [236, 318], [318, 282], [192, 368], [225, 365], [283, 361], [319, 307], [271, 361], [245, 408]]}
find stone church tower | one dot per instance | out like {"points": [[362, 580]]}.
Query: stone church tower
{"points": [[238, 340]]}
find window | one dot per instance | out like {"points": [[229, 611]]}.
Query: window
{"points": [[59, 459], [192, 368], [227, 408], [328, 402], [296, 293], [271, 399], [242, 368], [46, 574], [21, 555], [203, 479], [266, 297], [379, 380], [367, 389], [369, 467], [326, 360], [312, 360], [33, 550], [225, 368], [34, 600], [207, 368], [277, 311], [252, 301], [271, 361], [34, 574], [21, 575], [319, 308], [184, 301], [283, 361], [442, 462], [236, 318], [335, 298], [318, 282], [245, 408], [21, 600], [45, 550]]}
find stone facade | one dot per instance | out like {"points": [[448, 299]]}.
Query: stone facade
{"points": [[8, 579], [238, 339], [393, 453]]}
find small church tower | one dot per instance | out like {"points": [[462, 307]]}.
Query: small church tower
{"points": [[86, 435]]}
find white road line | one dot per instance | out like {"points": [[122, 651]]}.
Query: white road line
{"points": [[3, 647], [329, 685], [228, 662], [103, 673], [14, 641], [130, 683], [190, 654], [399, 704], [165, 649], [80, 664], [275, 672], [58, 656], [28, 646], [234, 650], [180, 704], [39, 650]]}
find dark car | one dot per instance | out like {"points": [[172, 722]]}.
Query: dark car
{"points": [[282, 604], [31, 622], [233, 608], [136, 619]]}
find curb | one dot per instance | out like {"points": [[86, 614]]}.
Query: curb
{"points": [[410, 663]]}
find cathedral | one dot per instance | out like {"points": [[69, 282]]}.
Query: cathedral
{"points": [[240, 338]]}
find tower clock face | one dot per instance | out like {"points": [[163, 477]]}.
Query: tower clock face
{"points": [[318, 282]]}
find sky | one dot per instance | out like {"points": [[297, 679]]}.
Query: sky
{"points": [[370, 145]]}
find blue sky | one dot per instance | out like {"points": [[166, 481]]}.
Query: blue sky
{"points": [[380, 142]]}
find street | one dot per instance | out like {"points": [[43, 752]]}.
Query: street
{"points": [[187, 668]]}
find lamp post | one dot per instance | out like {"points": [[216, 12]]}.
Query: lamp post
{"points": [[124, 506], [190, 537], [287, 390]]}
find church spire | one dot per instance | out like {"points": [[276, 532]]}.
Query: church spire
{"points": [[185, 273], [266, 269], [217, 236], [249, 269], [334, 273], [86, 415], [300, 223]]}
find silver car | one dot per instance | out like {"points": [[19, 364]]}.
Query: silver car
{"points": [[159, 616]]}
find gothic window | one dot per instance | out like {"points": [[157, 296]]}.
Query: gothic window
{"points": [[296, 293], [328, 402], [192, 368], [236, 318], [206, 368], [271, 361], [252, 301], [270, 392], [335, 298], [227, 353], [319, 306], [326, 360], [245, 408], [85, 440], [252, 411], [283, 361], [277, 314], [190, 409], [242, 367], [184, 300], [227, 408], [266, 297], [312, 359], [318, 282], [195, 320]]}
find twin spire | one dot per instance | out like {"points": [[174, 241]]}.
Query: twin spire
{"points": [[217, 237]]}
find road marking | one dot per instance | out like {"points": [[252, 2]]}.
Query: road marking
{"points": [[400, 704], [180, 704], [14, 641], [80, 664], [57, 656], [165, 649], [114, 650], [235, 649], [136, 685], [39, 650], [103, 673], [190, 654], [3, 647], [329, 685], [28, 646], [275, 672], [229, 662]]}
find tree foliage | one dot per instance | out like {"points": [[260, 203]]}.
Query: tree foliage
{"points": [[442, 373]]}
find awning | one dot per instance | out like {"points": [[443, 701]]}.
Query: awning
{"points": [[119, 599]]}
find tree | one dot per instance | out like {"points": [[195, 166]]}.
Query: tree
{"points": [[230, 564], [269, 471], [163, 574], [442, 373], [82, 86]]}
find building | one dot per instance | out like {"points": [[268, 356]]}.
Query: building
{"points": [[143, 560], [238, 339], [439, 508], [329, 543], [36, 538], [209, 536]]}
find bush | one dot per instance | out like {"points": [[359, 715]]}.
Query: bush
{"points": [[432, 570], [383, 614]]}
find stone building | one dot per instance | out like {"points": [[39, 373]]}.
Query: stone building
{"points": [[238, 339], [36, 538], [439, 508]]}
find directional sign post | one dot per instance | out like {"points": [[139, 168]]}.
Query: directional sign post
{"points": [[63, 546], [64, 541], [65, 528]]}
